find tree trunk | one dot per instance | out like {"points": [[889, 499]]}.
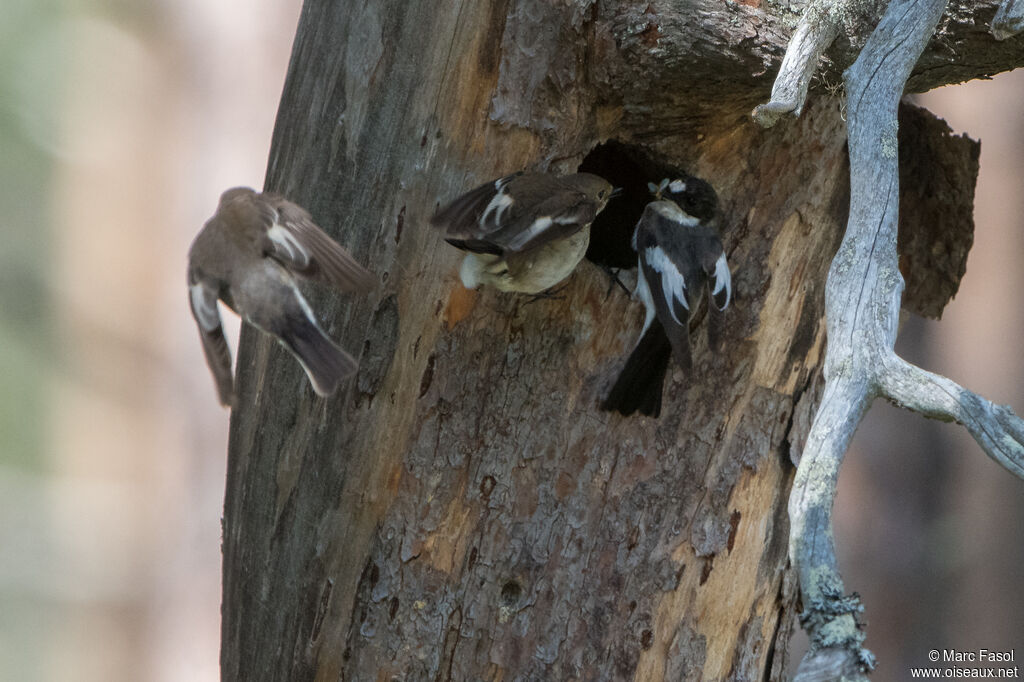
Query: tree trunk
{"points": [[464, 511]]}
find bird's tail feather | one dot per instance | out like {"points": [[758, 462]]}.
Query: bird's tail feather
{"points": [[325, 363], [639, 386]]}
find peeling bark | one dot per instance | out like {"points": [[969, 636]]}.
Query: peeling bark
{"points": [[938, 172], [464, 511]]}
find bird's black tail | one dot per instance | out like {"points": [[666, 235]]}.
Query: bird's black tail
{"points": [[638, 388], [326, 364]]}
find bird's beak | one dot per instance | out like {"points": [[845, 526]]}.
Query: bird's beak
{"points": [[616, 192]]}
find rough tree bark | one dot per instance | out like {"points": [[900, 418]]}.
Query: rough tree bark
{"points": [[464, 511]]}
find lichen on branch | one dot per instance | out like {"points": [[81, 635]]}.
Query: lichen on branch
{"points": [[862, 301]]}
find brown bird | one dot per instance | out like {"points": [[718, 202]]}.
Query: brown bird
{"points": [[248, 256], [525, 232]]}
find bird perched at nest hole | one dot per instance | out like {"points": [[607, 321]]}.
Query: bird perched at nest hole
{"points": [[524, 232], [248, 255], [679, 253]]}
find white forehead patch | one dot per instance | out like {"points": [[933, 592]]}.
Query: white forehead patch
{"points": [[677, 186]]}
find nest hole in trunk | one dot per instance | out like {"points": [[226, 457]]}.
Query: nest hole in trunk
{"points": [[631, 168]]}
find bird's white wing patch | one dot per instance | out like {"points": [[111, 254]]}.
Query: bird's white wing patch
{"points": [[498, 205], [672, 283], [539, 225], [289, 244], [204, 305], [643, 292], [723, 280], [304, 304]]}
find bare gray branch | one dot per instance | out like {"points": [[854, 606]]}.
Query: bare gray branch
{"points": [[999, 432], [862, 312], [1009, 19], [817, 29]]}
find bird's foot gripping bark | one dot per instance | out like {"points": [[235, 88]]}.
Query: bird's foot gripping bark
{"points": [[552, 294], [613, 280]]}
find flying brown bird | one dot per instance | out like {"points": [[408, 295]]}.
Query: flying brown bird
{"points": [[248, 255]]}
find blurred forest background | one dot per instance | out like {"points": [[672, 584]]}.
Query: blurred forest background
{"points": [[120, 124]]}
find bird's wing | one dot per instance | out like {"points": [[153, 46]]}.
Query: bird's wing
{"points": [[294, 240], [203, 301], [716, 267], [478, 212], [669, 276], [515, 213], [559, 215]]}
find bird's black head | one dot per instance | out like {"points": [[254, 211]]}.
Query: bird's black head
{"points": [[695, 196]]}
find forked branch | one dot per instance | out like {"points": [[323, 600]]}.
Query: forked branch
{"points": [[999, 432], [862, 302]]}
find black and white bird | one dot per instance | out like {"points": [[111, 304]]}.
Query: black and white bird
{"points": [[248, 255], [679, 254], [524, 232]]}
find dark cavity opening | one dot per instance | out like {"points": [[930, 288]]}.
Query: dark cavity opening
{"points": [[511, 592], [631, 168]]}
